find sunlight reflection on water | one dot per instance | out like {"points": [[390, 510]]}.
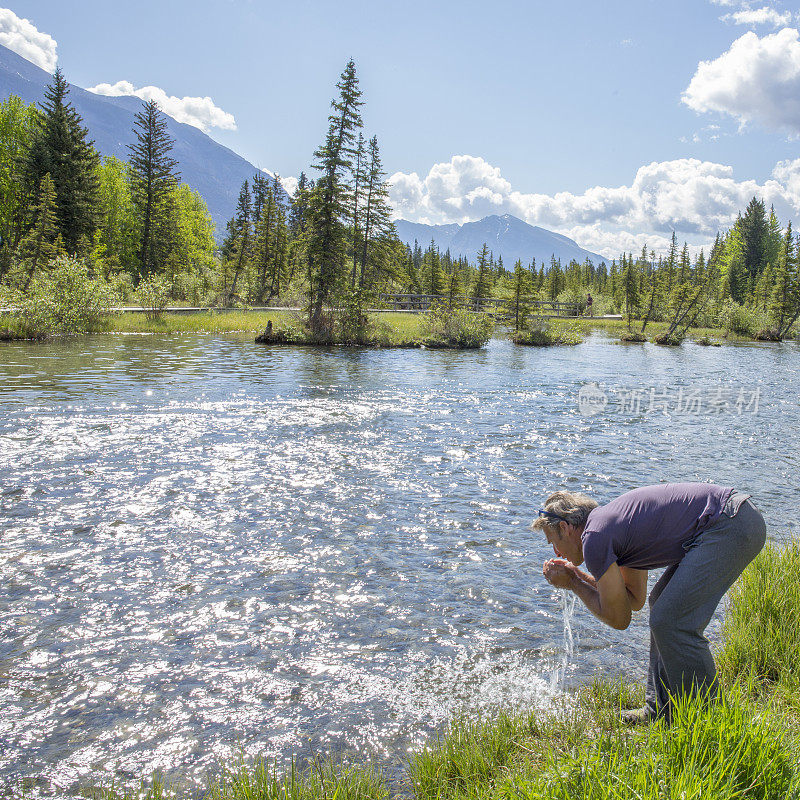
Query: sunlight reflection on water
{"points": [[211, 547]]}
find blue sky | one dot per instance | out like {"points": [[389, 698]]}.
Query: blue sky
{"points": [[571, 115]]}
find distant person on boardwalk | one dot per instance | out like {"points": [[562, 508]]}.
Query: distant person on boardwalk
{"points": [[589, 302], [704, 534]]}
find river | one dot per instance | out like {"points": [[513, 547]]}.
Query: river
{"points": [[214, 549]]}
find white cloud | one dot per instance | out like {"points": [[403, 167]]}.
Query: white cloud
{"points": [[198, 111], [757, 79], [695, 198], [22, 36], [759, 16]]}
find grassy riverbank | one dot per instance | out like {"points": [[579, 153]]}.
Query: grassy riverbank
{"points": [[398, 327], [747, 745], [443, 328], [386, 329]]}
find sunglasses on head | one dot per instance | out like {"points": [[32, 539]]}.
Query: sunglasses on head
{"points": [[553, 515]]}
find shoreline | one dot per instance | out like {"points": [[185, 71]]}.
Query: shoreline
{"points": [[394, 329]]}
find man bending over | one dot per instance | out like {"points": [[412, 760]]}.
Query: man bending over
{"points": [[705, 535]]}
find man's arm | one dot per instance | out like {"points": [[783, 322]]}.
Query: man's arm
{"points": [[636, 583], [608, 598]]}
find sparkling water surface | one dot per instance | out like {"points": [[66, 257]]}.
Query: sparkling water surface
{"points": [[214, 549]]}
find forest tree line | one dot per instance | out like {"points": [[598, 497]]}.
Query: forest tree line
{"points": [[134, 226]]}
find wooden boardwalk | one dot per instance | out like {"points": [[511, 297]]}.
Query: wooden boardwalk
{"points": [[408, 304], [489, 305]]}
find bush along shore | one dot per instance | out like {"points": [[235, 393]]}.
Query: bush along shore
{"points": [[545, 334], [743, 744]]}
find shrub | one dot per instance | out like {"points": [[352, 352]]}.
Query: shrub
{"points": [[549, 334], [633, 336], [63, 299], [353, 326], [153, 294], [122, 285], [666, 339], [455, 327], [742, 320]]}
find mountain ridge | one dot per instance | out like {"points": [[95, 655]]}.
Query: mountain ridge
{"points": [[214, 171], [505, 235]]}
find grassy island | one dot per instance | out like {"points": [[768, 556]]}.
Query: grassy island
{"points": [[746, 745], [439, 328], [548, 335]]}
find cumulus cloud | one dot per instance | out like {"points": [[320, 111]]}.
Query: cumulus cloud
{"points": [[757, 79], [759, 16], [198, 111], [695, 198], [22, 36]]}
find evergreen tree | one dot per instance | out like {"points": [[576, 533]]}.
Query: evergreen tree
{"points": [[298, 208], [433, 268], [521, 288], [270, 248], [359, 178], [774, 239], [556, 281], [412, 284], [330, 201], [684, 268], [242, 238], [41, 243], [260, 189], [298, 227], [454, 288], [734, 269], [61, 149], [785, 301], [377, 212], [630, 288], [153, 177], [483, 286], [671, 265], [754, 229]]}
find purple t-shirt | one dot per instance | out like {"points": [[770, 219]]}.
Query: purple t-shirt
{"points": [[648, 527]]}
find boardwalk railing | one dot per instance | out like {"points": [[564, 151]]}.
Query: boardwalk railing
{"points": [[489, 305]]}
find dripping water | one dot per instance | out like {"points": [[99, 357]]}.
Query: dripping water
{"points": [[568, 600]]}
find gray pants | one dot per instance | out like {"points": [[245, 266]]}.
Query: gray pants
{"points": [[687, 594]]}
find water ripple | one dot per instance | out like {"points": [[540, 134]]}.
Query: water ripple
{"points": [[211, 547]]}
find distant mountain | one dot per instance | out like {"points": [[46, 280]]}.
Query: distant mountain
{"points": [[507, 236], [210, 168]]}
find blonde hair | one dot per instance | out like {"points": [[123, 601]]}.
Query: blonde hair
{"points": [[573, 506]]}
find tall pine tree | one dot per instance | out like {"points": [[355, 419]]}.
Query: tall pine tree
{"points": [[329, 202], [153, 176], [61, 149], [377, 211]]}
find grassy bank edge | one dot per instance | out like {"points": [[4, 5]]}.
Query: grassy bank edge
{"points": [[746, 745], [392, 329]]}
